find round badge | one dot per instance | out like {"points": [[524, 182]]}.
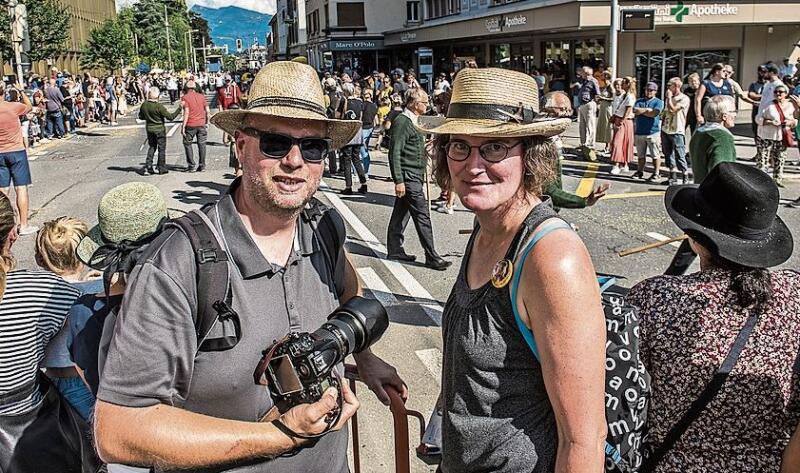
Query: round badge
{"points": [[502, 272]]}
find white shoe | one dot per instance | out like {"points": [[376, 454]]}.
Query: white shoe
{"points": [[616, 170], [27, 229], [625, 168], [445, 210], [114, 123]]}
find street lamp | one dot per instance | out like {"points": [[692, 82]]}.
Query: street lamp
{"points": [[194, 52]]}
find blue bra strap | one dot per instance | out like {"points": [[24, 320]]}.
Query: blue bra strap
{"points": [[525, 331]]}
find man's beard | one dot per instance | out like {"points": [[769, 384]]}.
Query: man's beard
{"points": [[268, 198]]}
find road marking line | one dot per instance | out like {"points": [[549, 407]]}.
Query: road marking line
{"points": [[432, 359], [409, 282], [118, 127], [586, 185], [660, 237], [629, 195], [172, 130], [377, 287]]}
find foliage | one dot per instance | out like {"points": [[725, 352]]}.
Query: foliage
{"points": [[147, 20], [229, 62], [48, 29], [197, 22], [109, 46]]}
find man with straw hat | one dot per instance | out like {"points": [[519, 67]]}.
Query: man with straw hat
{"points": [[504, 409], [199, 409]]}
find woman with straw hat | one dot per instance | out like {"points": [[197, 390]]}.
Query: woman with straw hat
{"points": [[504, 411]]}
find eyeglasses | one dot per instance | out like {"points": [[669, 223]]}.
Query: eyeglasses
{"points": [[277, 146], [493, 151], [780, 92]]}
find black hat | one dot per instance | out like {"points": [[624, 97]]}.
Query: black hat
{"points": [[735, 209]]}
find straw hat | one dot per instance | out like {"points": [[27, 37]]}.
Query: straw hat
{"points": [[495, 103], [286, 89], [127, 212]]}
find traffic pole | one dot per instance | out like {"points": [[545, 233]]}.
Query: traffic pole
{"points": [[613, 36]]}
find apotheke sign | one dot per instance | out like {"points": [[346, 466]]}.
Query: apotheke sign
{"points": [[499, 23], [672, 13]]}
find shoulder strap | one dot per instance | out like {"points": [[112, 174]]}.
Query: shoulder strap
{"points": [[708, 394], [544, 231], [780, 111], [214, 296], [331, 234]]}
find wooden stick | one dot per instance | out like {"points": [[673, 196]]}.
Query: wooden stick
{"points": [[465, 231], [657, 244]]}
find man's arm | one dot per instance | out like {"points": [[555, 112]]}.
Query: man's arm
{"points": [[185, 107], [24, 97], [400, 133], [560, 301], [737, 89], [169, 115], [752, 95]]}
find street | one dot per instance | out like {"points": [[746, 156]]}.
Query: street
{"points": [[70, 176]]}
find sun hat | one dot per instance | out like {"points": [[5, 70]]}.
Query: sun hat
{"points": [[285, 89], [127, 213], [495, 103], [735, 209]]}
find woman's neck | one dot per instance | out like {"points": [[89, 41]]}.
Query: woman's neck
{"points": [[505, 220]]}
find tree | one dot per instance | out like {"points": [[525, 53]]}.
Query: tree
{"points": [[48, 29], [108, 47], [197, 22]]}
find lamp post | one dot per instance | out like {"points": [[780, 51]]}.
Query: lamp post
{"points": [[613, 35], [194, 51]]}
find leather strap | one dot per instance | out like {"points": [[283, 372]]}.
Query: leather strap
{"points": [[287, 102], [502, 113]]}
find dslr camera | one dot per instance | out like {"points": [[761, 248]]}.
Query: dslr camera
{"points": [[300, 367]]}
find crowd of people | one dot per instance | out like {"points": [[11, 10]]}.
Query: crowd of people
{"points": [[113, 313]]}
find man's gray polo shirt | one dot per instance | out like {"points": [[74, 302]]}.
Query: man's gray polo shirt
{"points": [[152, 356]]}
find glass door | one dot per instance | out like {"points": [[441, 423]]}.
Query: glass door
{"points": [[658, 67]]}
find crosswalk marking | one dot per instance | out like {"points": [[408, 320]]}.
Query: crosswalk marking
{"points": [[377, 287], [660, 237], [432, 359]]}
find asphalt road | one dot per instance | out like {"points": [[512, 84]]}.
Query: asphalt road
{"points": [[70, 176]]}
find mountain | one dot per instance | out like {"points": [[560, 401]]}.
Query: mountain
{"points": [[229, 23]]}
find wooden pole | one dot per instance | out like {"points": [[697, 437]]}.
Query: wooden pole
{"points": [[657, 244]]}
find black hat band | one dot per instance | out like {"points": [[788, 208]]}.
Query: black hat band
{"points": [[501, 113], [271, 101]]}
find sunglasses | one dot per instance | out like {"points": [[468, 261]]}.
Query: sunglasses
{"points": [[780, 92], [493, 151], [277, 146]]}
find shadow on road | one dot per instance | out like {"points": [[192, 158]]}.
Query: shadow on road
{"points": [[200, 196]]}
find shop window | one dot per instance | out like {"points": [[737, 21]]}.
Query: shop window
{"points": [[412, 12], [350, 14], [501, 55]]}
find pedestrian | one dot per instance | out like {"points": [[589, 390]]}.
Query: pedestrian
{"points": [[408, 165], [14, 166], [647, 134], [673, 132], [352, 109], [755, 92], [774, 124], [622, 122], [587, 111], [56, 245], [369, 118], [275, 259], [788, 68], [771, 81], [503, 410], [711, 145], [172, 89], [111, 101], [715, 84], [196, 113], [733, 316], [692, 85], [55, 118], [231, 93], [604, 112], [154, 114]]}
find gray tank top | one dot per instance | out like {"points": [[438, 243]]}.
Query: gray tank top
{"points": [[497, 416]]}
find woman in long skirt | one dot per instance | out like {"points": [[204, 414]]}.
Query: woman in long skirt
{"points": [[604, 102], [622, 116]]}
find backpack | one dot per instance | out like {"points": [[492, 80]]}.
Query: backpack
{"points": [[627, 382]]}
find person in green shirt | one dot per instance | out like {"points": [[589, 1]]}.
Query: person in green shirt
{"points": [[154, 114], [711, 145]]}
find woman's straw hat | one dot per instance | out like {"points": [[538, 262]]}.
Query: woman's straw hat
{"points": [[127, 212], [287, 89], [495, 103]]}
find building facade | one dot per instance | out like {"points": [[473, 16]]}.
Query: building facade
{"points": [[288, 27], [348, 35], [562, 35], [279, 48]]}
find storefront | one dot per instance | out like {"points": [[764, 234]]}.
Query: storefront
{"points": [[561, 36], [348, 54]]}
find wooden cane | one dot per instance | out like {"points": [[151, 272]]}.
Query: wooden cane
{"points": [[657, 244]]}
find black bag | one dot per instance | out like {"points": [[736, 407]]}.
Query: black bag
{"points": [[50, 438], [627, 382]]}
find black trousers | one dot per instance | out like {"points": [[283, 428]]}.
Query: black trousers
{"points": [[173, 95], [413, 205], [201, 133], [157, 141], [351, 156], [683, 258]]}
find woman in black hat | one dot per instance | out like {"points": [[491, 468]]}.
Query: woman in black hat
{"points": [[692, 324]]}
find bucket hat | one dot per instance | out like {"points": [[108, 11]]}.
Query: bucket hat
{"points": [[127, 213], [286, 89], [495, 103], [735, 208]]}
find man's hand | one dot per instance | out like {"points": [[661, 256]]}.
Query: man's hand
{"points": [[700, 120], [375, 372], [400, 190], [597, 194], [310, 419]]}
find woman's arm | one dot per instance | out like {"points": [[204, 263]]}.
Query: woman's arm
{"points": [[560, 301], [698, 103]]}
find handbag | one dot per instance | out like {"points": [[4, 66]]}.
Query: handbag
{"points": [[50, 437], [786, 131], [654, 457]]}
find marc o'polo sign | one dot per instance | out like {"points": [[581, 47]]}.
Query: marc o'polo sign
{"points": [[497, 24], [355, 44]]}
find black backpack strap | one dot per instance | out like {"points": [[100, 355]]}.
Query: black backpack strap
{"points": [[214, 296], [330, 232], [708, 394]]}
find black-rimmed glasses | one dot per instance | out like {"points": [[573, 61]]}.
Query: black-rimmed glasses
{"points": [[493, 151], [277, 146]]}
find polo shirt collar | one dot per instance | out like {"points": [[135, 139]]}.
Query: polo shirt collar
{"points": [[411, 115], [244, 251]]}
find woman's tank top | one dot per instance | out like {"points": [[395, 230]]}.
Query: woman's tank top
{"points": [[497, 416]]}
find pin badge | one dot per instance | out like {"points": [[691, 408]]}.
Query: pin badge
{"points": [[502, 272]]}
